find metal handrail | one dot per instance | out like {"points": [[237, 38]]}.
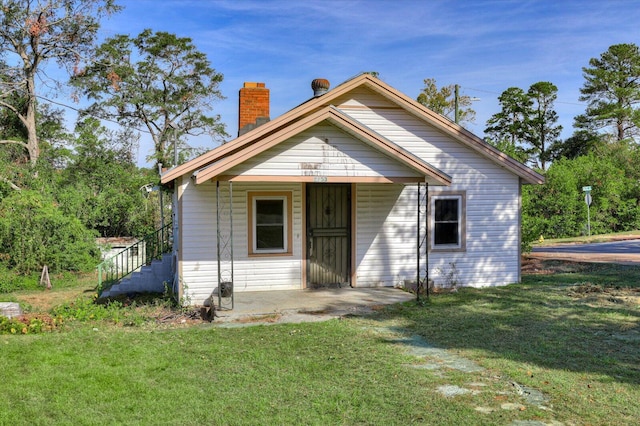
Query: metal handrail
{"points": [[134, 257]]}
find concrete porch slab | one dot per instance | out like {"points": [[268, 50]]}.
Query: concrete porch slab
{"points": [[307, 305]]}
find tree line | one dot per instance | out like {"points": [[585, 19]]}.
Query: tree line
{"points": [[61, 189], [603, 151]]}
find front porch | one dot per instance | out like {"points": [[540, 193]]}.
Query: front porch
{"points": [[308, 305]]}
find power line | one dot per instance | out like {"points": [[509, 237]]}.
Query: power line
{"points": [[85, 113], [498, 94]]}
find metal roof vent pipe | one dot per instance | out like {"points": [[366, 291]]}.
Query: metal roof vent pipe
{"points": [[320, 86]]}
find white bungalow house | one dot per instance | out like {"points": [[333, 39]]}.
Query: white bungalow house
{"points": [[359, 186]]}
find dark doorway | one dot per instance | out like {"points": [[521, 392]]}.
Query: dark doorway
{"points": [[328, 235]]}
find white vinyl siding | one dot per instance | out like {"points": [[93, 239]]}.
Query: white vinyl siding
{"points": [[492, 249], [199, 258], [323, 150], [385, 240]]}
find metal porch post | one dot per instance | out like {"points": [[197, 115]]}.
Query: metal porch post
{"points": [[422, 237], [224, 241]]}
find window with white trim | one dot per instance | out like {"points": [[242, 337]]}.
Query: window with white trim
{"points": [[269, 223], [448, 222]]}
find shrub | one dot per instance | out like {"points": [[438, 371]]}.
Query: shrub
{"points": [[10, 281], [34, 232]]}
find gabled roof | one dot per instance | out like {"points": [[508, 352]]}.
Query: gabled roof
{"points": [[280, 125], [335, 117]]}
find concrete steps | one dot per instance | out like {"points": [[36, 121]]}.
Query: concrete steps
{"points": [[153, 278]]}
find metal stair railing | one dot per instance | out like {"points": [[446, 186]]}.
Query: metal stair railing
{"points": [[134, 257]]}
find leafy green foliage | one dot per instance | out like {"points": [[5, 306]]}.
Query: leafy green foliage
{"points": [[443, 101], [557, 209], [526, 126], [612, 89], [29, 324], [101, 185], [34, 232], [582, 142], [543, 130], [84, 309], [157, 81], [10, 281], [508, 128]]}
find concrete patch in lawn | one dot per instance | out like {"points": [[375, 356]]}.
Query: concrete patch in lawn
{"points": [[437, 357], [452, 390]]}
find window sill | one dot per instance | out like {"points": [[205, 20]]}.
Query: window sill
{"points": [[447, 249], [285, 254]]}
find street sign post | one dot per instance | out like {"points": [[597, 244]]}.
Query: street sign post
{"points": [[587, 200]]}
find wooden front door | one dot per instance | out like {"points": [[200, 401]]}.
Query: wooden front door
{"points": [[328, 235]]}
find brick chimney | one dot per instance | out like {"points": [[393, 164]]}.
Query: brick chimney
{"points": [[253, 108]]}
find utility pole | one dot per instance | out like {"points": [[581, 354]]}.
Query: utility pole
{"points": [[455, 100]]}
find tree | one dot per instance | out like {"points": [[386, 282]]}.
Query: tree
{"points": [[15, 170], [582, 142], [612, 90], [101, 184], [33, 33], [526, 127], [509, 129], [443, 101], [157, 81], [542, 129]]}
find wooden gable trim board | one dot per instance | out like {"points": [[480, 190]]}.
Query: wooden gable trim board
{"points": [[458, 132], [346, 123]]}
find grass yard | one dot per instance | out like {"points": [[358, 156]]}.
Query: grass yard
{"points": [[563, 346], [596, 238]]}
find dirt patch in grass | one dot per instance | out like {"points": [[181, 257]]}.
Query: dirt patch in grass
{"points": [[45, 300], [535, 266], [605, 295], [542, 266], [267, 318]]}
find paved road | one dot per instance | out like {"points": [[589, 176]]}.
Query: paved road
{"points": [[627, 252], [616, 247]]}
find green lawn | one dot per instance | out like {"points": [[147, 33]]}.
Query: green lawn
{"points": [[572, 336], [584, 239]]}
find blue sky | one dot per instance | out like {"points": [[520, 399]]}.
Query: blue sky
{"points": [[484, 46]]}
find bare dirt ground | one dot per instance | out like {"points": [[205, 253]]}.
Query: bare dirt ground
{"points": [[589, 293], [623, 259], [47, 299]]}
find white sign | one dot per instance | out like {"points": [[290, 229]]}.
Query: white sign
{"points": [[587, 198], [586, 188]]}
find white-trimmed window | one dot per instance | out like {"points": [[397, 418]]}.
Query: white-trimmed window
{"points": [[269, 222], [448, 221]]}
